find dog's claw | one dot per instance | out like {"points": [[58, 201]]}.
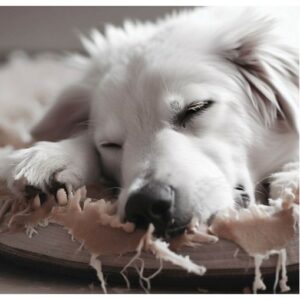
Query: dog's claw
{"points": [[56, 185], [56, 188], [36, 202], [62, 197]]}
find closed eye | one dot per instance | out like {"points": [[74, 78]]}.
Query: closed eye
{"points": [[111, 145], [192, 110]]}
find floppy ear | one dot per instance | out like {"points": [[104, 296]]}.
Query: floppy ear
{"points": [[270, 69], [67, 116]]}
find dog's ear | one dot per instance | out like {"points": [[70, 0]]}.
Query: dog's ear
{"points": [[269, 68], [68, 115]]}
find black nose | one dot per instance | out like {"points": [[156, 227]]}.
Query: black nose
{"points": [[153, 203]]}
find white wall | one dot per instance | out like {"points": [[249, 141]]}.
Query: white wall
{"points": [[54, 28], [51, 28]]}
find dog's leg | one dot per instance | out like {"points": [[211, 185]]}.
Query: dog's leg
{"points": [[48, 166], [287, 178]]}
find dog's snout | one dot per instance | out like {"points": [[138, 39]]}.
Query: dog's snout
{"points": [[153, 203]]}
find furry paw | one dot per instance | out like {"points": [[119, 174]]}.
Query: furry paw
{"points": [[42, 169], [288, 178]]}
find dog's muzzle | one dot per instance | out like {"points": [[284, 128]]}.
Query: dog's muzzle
{"points": [[155, 203]]}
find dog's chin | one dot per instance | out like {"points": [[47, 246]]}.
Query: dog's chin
{"points": [[161, 229], [175, 230]]}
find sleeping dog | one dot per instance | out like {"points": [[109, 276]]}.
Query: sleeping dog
{"points": [[186, 115]]}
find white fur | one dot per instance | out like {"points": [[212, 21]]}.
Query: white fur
{"points": [[139, 75], [29, 85]]}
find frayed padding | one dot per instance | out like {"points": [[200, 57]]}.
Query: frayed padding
{"points": [[95, 224], [262, 231], [96, 264], [160, 249], [281, 265], [99, 219], [258, 283]]}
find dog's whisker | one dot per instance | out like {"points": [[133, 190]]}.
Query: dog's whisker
{"points": [[259, 182]]}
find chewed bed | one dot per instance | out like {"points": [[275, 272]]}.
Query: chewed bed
{"points": [[51, 245]]}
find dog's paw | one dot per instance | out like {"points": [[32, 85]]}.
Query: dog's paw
{"points": [[42, 169], [288, 178]]}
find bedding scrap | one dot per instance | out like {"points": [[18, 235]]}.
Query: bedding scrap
{"points": [[260, 230], [96, 225]]}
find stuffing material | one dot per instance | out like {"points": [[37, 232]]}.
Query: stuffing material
{"points": [[99, 219], [260, 230], [96, 225]]}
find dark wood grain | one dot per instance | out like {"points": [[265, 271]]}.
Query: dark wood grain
{"points": [[53, 245]]}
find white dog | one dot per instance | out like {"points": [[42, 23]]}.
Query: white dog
{"points": [[187, 115]]}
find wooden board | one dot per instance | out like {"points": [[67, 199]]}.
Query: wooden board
{"points": [[53, 245]]}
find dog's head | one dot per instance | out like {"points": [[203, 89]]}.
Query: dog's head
{"points": [[177, 108]]}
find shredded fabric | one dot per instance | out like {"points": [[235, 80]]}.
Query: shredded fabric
{"points": [[161, 250], [95, 224], [261, 231], [96, 264], [98, 219]]}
